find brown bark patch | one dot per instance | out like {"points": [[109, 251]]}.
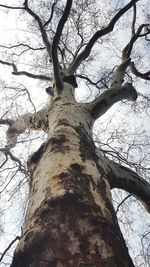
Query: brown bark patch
{"points": [[37, 155], [58, 144], [64, 122], [87, 147], [69, 237]]}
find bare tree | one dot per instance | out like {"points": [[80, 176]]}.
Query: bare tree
{"points": [[70, 219]]}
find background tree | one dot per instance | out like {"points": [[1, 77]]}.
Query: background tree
{"points": [[70, 220]]}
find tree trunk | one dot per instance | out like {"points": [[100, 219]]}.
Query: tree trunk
{"points": [[70, 221]]}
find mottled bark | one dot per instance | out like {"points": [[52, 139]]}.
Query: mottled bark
{"points": [[70, 221], [124, 178]]}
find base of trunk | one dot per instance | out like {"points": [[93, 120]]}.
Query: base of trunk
{"points": [[68, 233]]}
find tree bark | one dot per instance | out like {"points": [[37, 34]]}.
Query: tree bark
{"points": [[70, 220]]}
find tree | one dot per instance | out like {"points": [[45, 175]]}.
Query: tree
{"points": [[70, 219]]}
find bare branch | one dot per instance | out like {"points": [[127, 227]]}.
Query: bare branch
{"points": [[6, 122], [41, 27], [36, 121], [31, 75], [85, 53], [145, 76], [11, 7], [12, 242], [7, 153], [118, 77], [134, 20], [6, 159], [90, 81], [128, 196], [28, 74], [128, 48], [126, 53], [56, 39], [21, 44], [122, 177], [111, 96], [51, 16], [9, 64]]}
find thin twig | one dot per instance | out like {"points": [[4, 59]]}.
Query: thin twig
{"points": [[123, 202], [12, 7], [21, 44], [51, 16], [12, 242]]}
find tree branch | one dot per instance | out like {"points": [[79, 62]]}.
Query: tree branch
{"points": [[128, 196], [41, 27], [52, 12], [36, 121], [134, 19], [24, 45], [122, 177], [109, 97], [118, 77], [28, 74], [96, 84], [85, 53], [12, 7], [6, 122], [12, 242], [128, 48], [145, 76], [7, 153], [56, 39], [126, 53], [9, 64], [31, 75]]}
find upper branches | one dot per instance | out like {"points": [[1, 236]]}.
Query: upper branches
{"points": [[41, 27], [142, 31], [38, 20], [51, 45], [135, 35], [86, 52], [117, 91]]}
